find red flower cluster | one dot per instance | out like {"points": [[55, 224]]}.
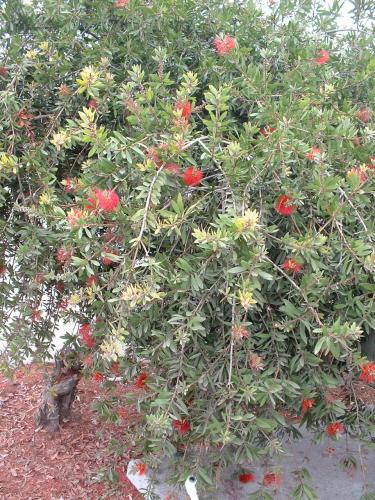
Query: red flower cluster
{"points": [[3, 71], [323, 57], [368, 373], [92, 104], [60, 286], [246, 477], [292, 266], [141, 468], [36, 315], [364, 115], [371, 165], [107, 200], [92, 280], [192, 176], [172, 168], [266, 131], [121, 3], [69, 185], [64, 90], [107, 261], [307, 404], [153, 155], [272, 479], [357, 171], [24, 118], [141, 381], [98, 377], [3, 270], [183, 426], [74, 216], [64, 304], [86, 334], [284, 206], [225, 45], [314, 151], [115, 369], [185, 108], [239, 332], [64, 255], [334, 429]]}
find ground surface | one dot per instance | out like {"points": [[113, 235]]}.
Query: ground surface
{"points": [[37, 465]]}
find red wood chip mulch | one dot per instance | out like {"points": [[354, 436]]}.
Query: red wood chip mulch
{"points": [[38, 465]]}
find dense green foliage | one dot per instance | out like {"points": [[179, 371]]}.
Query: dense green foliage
{"points": [[201, 289]]}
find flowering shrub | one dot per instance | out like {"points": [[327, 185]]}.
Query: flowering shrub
{"points": [[207, 206]]}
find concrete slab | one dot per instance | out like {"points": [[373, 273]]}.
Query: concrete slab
{"points": [[330, 478]]}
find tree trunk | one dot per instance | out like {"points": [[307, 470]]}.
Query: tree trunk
{"points": [[60, 391]]}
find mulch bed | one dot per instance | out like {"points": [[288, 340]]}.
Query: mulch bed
{"points": [[38, 465]]}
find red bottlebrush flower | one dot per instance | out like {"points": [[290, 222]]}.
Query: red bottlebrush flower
{"points": [[85, 329], [368, 373], [183, 426], [23, 118], [108, 200], [239, 332], [36, 315], [121, 3], [314, 151], [292, 266], [107, 261], [141, 381], [3, 71], [91, 281], [3, 270], [185, 108], [92, 104], [323, 57], [364, 115], [272, 479], [74, 216], [357, 171], [64, 304], [266, 131], [192, 176], [88, 340], [115, 369], [225, 45], [63, 255], [60, 286], [371, 165], [255, 361], [307, 404], [141, 468], [98, 377], [334, 429], [152, 154], [172, 168], [64, 90], [283, 205], [68, 185], [246, 477], [86, 334]]}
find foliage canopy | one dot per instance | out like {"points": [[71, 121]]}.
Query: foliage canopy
{"points": [[229, 298]]}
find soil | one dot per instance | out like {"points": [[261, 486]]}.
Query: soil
{"points": [[39, 465]]}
